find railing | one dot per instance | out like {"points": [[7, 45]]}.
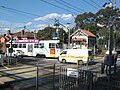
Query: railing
{"points": [[53, 77]]}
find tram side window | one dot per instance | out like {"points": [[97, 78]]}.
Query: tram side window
{"points": [[59, 45], [41, 45], [64, 52], [51, 45], [20, 46], [24, 46], [36, 46]]}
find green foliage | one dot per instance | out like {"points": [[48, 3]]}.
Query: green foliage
{"points": [[89, 20], [48, 34], [91, 28]]}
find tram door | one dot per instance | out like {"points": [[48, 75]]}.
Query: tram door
{"points": [[30, 50]]}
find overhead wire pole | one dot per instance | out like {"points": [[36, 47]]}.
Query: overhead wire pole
{"points": [[114, 6], [68, 28], [114, 46], [74, 21], [110, 51], [110, 45], [57, 29], [68, 35]]}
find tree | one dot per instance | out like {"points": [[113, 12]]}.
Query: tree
{"points": [[89, 21], [48, 34]]}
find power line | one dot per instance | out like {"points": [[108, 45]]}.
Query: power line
{"points": [[72, 6], [109, 0], [20, 11], [67, 6], [96, 4], [23, 13], [90, 4], [58, 6], [17, 12]]}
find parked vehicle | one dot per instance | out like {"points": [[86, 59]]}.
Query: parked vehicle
{"points": [[80, 56]]}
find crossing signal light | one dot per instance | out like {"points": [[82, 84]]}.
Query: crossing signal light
{"points": [[14, 45], [8, 45]]}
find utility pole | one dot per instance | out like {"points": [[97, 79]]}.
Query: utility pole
{"points": [[68, 35], [110, 43], [34, 34], [74, 22], [56, 36]]}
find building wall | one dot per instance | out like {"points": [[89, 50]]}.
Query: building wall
{"points": [[80, 42]]}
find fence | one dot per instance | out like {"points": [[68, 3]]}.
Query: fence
{"points": [[103, 83], [73, 79], [52, 77], [47, 77]]}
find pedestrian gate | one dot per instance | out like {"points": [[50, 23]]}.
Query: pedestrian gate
{"points": [[75, 79], [50, 77]]}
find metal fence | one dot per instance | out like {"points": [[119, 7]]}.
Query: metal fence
{"points": [[75, 79], [50, 77], [47, 77], [106, 83]]}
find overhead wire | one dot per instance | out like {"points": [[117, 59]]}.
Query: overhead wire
{"points": [[58, 6], [23, 13], [96, 4], [86, 1], [67, 6], [70, 6], [16, 12], [109, 0], [19, 11], [73, 6]]}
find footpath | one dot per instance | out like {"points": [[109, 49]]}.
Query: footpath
{"points": [[17, 78]]}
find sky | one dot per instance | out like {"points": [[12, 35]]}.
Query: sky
{"points": [[38, 14]]}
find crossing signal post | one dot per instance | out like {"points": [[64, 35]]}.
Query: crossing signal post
{"points": [[10, 51]]}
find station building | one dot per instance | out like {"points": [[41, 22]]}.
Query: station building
{"points": [[83, 39]]}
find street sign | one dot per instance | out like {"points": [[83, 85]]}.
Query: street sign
{"points": [[72, 72]]}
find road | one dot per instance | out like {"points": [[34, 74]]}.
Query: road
{"points": [[23, 75]]}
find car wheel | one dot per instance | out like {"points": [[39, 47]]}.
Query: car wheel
{"points": [[80, 62], [63, 61]]}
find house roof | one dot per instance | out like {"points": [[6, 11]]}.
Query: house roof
{"points": [[86, 32]]}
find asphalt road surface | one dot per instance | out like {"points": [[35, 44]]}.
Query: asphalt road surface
{"points": [[95, 65], [23, 75]]}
